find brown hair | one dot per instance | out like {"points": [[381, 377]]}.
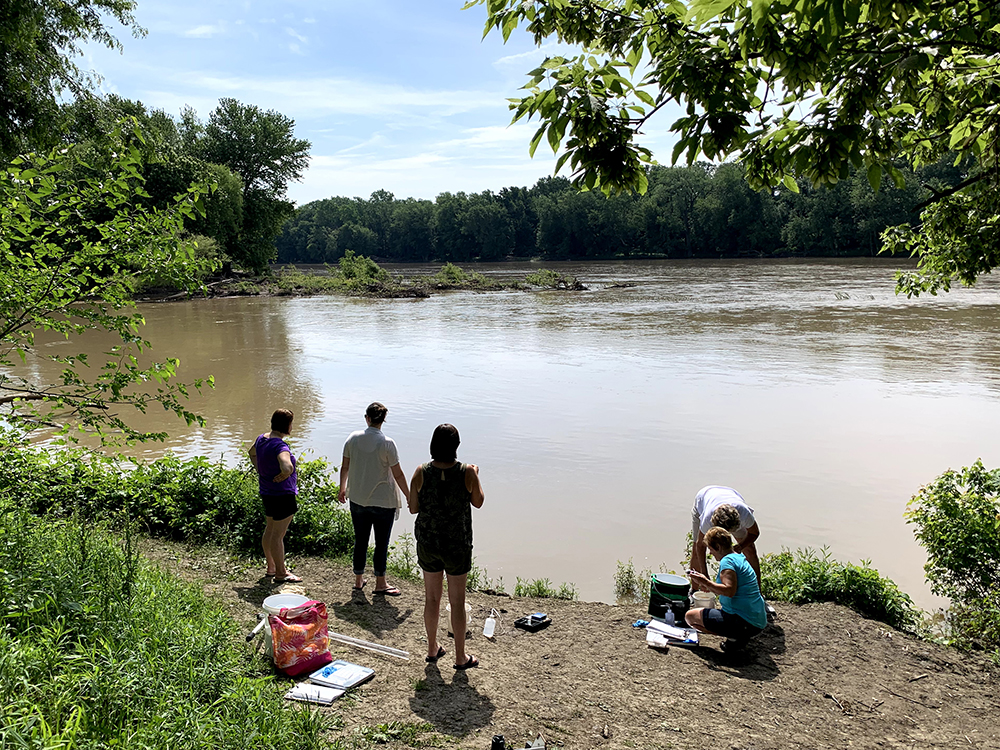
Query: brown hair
{"points": [[726, 517], [281, 420], [444, 442], [376, 412], [719, 539]]}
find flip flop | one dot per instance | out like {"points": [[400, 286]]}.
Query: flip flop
{"points": [[390, 591], [288, 578], [431, 659], [268, 574], [471, 662], [359, 588]]}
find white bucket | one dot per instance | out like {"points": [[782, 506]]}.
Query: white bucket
{"points": [[445, 616], [703, 599], [273, 606]]}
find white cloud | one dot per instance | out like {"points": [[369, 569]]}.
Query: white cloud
{"points": [[205, 31], [295, 49], [293, 33], [326, 96]]}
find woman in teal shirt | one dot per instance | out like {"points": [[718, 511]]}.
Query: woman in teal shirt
{"points": [[743, 613]]}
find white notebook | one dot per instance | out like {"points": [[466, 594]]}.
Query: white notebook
{"points": [[671, 633], [309, 693], [341, 674]]}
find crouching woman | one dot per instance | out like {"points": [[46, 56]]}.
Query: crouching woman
{"points": [[742, 614]]}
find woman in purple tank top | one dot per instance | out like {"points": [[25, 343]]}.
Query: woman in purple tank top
{"points": [[275, 465]]}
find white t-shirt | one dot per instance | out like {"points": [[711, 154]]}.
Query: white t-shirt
{"points": [[710, 498], [369, 476]]}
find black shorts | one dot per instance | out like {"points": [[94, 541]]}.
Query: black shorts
{"points": [[280, 507], [728, 625], [454, 562]]}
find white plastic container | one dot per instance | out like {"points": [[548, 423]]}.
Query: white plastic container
{"points": [[446, 617], [273, 606], [489, 626], [703, 599]]}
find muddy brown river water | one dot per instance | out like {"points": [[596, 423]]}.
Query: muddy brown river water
{"points": [[596, 416]]}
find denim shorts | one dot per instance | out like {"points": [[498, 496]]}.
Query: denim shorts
{"points": [[728, 625]]}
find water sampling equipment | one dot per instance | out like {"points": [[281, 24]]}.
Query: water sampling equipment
{"points": [[668, 593]]}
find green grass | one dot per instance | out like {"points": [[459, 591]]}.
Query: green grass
{"points": [[99, 650]]}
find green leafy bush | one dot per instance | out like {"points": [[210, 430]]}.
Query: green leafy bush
{"points": [[631, 585], [452, 277], [98, 649], [806, 576], [541, 588], [360, 268], [194, 500], [957, 519], [402, 561], [549, 279]]}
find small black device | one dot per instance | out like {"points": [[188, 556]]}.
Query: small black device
{"points": [[533, 622], [498, 743]]}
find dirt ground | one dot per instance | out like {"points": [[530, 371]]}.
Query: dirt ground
{"points": [[819, 676]]}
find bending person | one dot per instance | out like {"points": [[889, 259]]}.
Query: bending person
{"points": [[370, 466], [742, 614], [275, 466], [442, 494], [723, 507]]}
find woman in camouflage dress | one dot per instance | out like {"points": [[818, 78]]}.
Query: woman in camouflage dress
{"points": [[442, 494]]}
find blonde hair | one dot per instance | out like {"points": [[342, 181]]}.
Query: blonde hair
{"points": [[719, 539]]}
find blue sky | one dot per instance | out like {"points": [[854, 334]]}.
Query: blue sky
{"points": [[393, 94]]}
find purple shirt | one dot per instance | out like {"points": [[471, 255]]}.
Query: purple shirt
{"points": [[268, 449]]}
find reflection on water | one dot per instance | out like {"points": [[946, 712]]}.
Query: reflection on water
{"points": [[596, 416]]}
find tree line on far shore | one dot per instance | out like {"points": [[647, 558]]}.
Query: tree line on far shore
{"points": [[700, 211]]}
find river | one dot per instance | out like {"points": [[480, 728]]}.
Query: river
{"points": [[596, 416]]}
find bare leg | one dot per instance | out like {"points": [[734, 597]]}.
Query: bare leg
{"points": [[273, 543], [433, 587], [695, 619], [456, 598]]}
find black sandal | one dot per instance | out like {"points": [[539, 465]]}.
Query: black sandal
{"points": [[471, 662], [431, 659]]}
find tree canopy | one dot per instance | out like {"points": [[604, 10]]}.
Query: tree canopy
{"points": [[261, 148], [76, 241], [698, 211], [39, 41], [794, 88]]}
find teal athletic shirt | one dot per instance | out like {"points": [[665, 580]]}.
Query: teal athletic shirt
{"points": [[748, 603]]}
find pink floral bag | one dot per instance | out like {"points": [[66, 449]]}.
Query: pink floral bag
{"points": [[300, 638]]}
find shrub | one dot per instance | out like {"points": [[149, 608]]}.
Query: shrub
{"points": [[549, 279], [402, 561], [631, 586], [541, 588], [360, 269], [97, 649], [192, 500], [957, 519], [806, 576], [452, 277]]}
